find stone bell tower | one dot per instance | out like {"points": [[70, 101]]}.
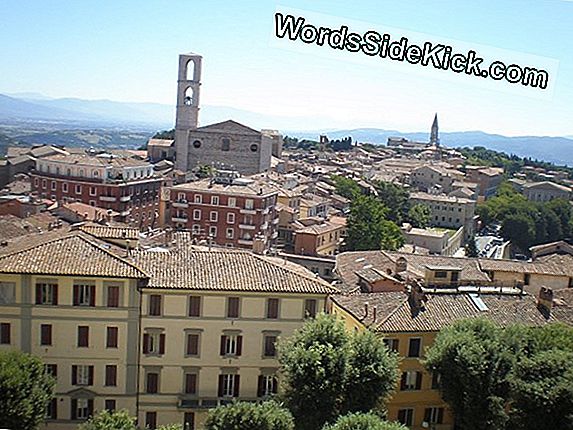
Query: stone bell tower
{"points": [[187, 111]]}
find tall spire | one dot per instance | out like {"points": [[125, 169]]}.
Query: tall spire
{"points": [[434, 137]]}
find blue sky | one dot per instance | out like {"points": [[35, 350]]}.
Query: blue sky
{"points": [[127, 51]]}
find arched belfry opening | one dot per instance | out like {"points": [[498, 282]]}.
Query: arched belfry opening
{"points": [[188, 84], [188, 99]]}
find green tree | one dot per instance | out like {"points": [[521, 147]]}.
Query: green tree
{"points": [[473, 363], [368, 228], [363, 421], [419, 215], [106, 420], [25, 390], [324, 367], [250, 416], [346, 187], [396, 199], [520, 230], [471, 247]]}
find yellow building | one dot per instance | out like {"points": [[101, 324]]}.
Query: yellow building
{"points": [[166, 334]]}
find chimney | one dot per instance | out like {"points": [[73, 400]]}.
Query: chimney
{"points": [[416, 297], [374, 313], [545, 300], [365, 310], [401, 265]]}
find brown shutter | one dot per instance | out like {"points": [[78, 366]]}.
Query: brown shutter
{"points": [[90, 407], [74, 375], [54, 409], [113, 297], [194, 306], [190, 383], [427, 414], [239, 345], [92, 295], [275, 385], [261, 386], [146, 343], [223, 344], [403, 381], [162, 343], [74, 409], [91, 375], [221, 382], [76, 295], [192, 344], [112, 337], [38, 294], [55, 296], [236, 387], [111, 376], [418, 380], [440, 415]]}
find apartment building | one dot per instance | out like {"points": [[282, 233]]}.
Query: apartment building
{"points": [[428, 177], [409, 321], [488, 178], [546, 191], [319, 237], [105, 180], [165, 333], [227, 210], [448, 211]]}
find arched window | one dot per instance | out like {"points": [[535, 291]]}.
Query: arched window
{"points": [[189, 95]]}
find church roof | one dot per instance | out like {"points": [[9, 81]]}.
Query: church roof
{"points": [[229, 126]]}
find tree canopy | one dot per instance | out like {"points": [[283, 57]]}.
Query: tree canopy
{"points": [[107, 420], [329, 372], [363, 421], [25, 390], [250, 416]]}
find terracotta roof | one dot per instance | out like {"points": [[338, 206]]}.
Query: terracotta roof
{"points": [[554, 264], [242, 186], [226, 270], [160, 142], [563, 305], [109, 232], [67, 255]]}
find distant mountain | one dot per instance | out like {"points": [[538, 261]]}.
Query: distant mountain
{"points": [[558, 150]]}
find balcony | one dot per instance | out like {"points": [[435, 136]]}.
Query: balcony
{"points": [[248, 211], [247, 226], [179, 219], [245, 242], [124, 199], [180, 204], [108, 198]]}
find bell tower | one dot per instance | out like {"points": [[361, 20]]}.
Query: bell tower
{"points": [[187, 111]]}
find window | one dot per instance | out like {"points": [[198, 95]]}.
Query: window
{"points": [[254, 147], [434, 415], [414, 347], [78, 189], [213, 231], [232, 307], [198, 198], [52, 370], [83, 336], [196, 214], [272, 308], [7, 291], [5, 333], [249, 204], [232, 202], [194, 306], [52, 410], [190, 383], [113, 296], [154, 343], [229, 385], [213, 216], [152, 382], [155, 305], [82, 375], [181, 197], [44, 183], [411, 380], [193, 344], [189, 421], [93, 191], [406, 416], [310, 308], [53, 184], [270, 346], [226, 144], [110, 405], [267, 385], [82, 409], [230, 218], [151, 417], [229, 233], [215, 200], [436, 380], [45, 334], [46, 293], [231, 345], [392, 344], [197, 143], [110, 375], [441, 274], [84, 295], [111, 337]]}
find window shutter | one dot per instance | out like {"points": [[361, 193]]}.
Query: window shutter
{"points": [[38, 294], [90, 407], [427, 414], [236, 387], [162, 343], [146, 343], [74, 409], [111, 337], [239, 345], [440, 415], [192, 344], [190, 383], [418, 380], [55, 296], [76, 295], [261, 386], [54, 409], [112, 297], [91, 376], [223, 343], [92, 295], [74, 375], [275, 385], [221, 382], [403, 381]]}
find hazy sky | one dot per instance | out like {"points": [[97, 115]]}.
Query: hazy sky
{"points": [[127, 51]]}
